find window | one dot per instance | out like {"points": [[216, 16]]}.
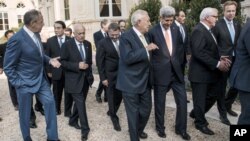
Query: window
{"points": [[109, 8], [66, 9], [20, 5], [2, 4], [19, 19], [4, 22]]}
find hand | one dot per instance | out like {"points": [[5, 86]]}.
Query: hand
{"points": [[227, 60], [1, 71], [105, 83], [54, 62], [83, 66], [49, 75], [223, 66], [151, 47]]}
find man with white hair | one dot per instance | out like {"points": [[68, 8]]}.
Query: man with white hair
{"points": [[205, 68], [134, 73], [168, 62]]}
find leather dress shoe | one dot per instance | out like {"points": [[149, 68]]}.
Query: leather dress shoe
{"points": [[143, 135], [53, 140], [192, 115], [205, 130], [225, 120], [1, 119], [232, 113], [184, 135], [77, 126], [98, 99], [161, 134], [188, 101], [84, 137], [117, 126], [39, 110], [105, 99], [33, 124], [108, 113], [16, 107], [58, 112]]}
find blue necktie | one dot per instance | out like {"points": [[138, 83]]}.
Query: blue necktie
{"points": [[231, 30], [81, 52], [38, 44]]}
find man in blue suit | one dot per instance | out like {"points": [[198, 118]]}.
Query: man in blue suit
{"points": [[24, 66], [240, 74], [134, 74]]}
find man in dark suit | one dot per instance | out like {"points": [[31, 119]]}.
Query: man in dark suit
{"points": [[205, 68], [167, 64], [108, 54], [24, 66], [76, 58], [134, 74], [53, 49], [12, 91], [240, 73], [98, 36], [227, 31]]}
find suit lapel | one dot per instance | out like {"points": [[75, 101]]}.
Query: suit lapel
{"points": [[226, 30], [30, 41], [173, 35], [76, 50], [112, 47]]}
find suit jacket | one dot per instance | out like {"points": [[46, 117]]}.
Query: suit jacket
{"points": [[240, 73], [70, 58], [222, 34], [2, 52], [164, 65], [205, 56], [134, 72], [53, 49], [23, 62], [98, 36], [108, 60]]}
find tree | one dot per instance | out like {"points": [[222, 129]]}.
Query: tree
{"points": [[151, 6]]}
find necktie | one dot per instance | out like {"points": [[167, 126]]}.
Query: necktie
{"points": [[105, 34], [38, 44], [117, 47], [60, 41], [81, 52], [169, 43], [144, 42], [231, 30], [182, 32]]}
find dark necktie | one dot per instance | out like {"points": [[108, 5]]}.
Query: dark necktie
{"points": [[60, 41]]}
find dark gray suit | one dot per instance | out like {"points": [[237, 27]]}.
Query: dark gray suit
{"points": [[168, 73], [135, 82], [240, 74]]}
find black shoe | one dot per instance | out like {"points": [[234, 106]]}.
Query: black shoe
{"points": [[39, 110], [188, 101], [205, 130], [108, 113], [143, 135], [33, 124], [98, 99], [184, 135], [225, 120], [192, 115], [53, 140], [76, 125], [84, 137], [161, 134], [117, 126], [1, 119], [232, 113]]}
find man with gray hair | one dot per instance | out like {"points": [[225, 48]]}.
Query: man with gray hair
{"points": [[206, 68], [24, 66], [167, 64], [134, 74]]}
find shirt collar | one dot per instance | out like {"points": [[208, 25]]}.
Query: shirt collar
{"points": [[138, 33], [207, 27], [227, 21], [77, 43], [30, 33], [177, 23], [63, 37]]}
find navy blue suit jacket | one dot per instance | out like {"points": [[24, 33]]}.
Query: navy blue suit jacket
{"points": [[240, 73], [23, 63], [134, 72], [163, 64]]}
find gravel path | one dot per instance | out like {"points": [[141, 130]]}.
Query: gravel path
{"points": [[101, 128]]}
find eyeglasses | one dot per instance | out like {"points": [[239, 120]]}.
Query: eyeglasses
{"points": [[214, 16]]}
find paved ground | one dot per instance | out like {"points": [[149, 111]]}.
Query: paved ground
{"points": [[100, 124]]}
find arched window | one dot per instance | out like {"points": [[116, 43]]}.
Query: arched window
{"points": [[2, 4], [20, 5]]}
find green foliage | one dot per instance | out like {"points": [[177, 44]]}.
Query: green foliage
{"points": [[151, 6]]}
